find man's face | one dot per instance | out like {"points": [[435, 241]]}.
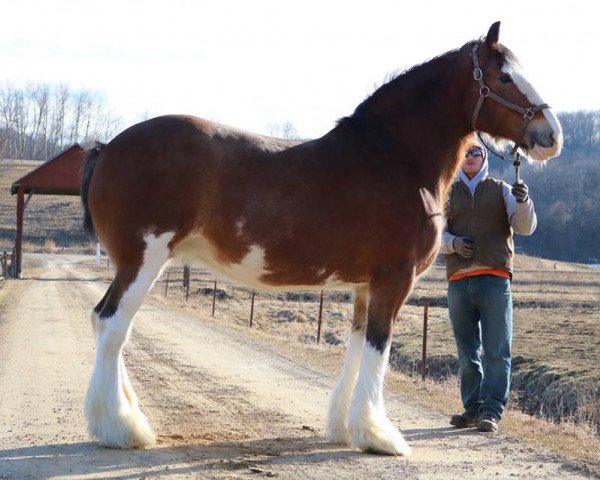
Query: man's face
{"points": [[473, 161]]}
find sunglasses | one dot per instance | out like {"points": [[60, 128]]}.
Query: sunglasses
{"points": [[476, 152]]}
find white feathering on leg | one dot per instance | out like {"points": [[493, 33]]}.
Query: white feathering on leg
{"points": [[341, 397], [112, 410], [370, 428]]}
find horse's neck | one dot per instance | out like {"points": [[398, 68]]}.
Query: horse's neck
{"points": [[426, 119]]}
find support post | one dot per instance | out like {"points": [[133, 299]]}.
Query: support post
{"points": [[19, 242], [424, 349]]}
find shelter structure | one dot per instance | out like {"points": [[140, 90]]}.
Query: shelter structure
{"points": [[60, 175]]}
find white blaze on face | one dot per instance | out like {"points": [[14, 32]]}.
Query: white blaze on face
{"points": [[534, 98]]}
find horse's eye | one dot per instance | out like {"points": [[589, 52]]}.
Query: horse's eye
{"points": [[505, 78]]}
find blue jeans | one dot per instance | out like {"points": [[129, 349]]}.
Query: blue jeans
{"points": [[481, 313]]}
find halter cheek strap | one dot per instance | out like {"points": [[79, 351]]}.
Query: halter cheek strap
{"points": [[485, 92]]}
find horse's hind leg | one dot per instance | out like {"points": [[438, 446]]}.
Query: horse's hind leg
{"points": [[112, 410], [339, 403]]}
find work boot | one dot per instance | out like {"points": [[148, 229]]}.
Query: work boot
{"points": [[465, 420], [488, 423]]}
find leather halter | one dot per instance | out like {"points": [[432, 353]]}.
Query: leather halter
{"points": [[484, 92]]}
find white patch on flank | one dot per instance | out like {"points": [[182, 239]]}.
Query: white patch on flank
{"points": [[370, 428], [341, 397], [197, 249], [252, 266], [334, 282], [526, 88], [112, 410]]}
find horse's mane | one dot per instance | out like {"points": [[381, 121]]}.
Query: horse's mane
{"points": [[419, 76], [420, 79]]}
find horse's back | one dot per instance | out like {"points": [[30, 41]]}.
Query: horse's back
{"points": [[155, 173]]}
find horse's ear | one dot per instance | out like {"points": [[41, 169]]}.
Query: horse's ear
{"points": [[491, 39]]}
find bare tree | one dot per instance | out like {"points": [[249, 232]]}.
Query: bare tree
{"points": [[40, 120], [284, 130], [59, 113], [40, 98]]}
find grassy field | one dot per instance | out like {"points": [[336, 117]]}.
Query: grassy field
{"points": [[557, 310]]}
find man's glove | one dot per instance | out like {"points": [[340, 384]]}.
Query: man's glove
{"points": [[520, 192], [464, 246]]}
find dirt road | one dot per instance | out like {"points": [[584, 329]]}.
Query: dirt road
{"points": [[225, 404]]}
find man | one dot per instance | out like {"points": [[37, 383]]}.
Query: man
{"points": [[482, 214]]}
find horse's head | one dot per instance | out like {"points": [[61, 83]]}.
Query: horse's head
{"points": [[506, 104]]}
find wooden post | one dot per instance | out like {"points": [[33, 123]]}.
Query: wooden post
{"points": [[19, 242], [424, 349], [252, 308], [167, 283], [320, 318], [186, 275], [214, 297]]}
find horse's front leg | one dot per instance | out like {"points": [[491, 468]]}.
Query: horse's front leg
{"points": [[369, 425], [339, 403]]}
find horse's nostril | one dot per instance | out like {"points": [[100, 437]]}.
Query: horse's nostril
{"points": [[552, 140]]}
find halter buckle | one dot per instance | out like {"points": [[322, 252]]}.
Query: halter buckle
{"points": [[477, 74], [528, 113], [484, 91]]}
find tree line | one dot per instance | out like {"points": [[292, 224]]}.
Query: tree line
{"points": [[39, 121]]}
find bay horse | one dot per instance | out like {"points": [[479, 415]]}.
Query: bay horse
{"points": [[360, 208]]}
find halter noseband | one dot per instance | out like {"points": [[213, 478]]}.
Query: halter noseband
{"points": [[484, 92]]}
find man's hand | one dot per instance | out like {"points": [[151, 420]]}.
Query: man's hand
{"points": [[464, 246], [520, 192]]}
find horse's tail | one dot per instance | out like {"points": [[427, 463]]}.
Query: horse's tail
{"points": [[86, 177]]}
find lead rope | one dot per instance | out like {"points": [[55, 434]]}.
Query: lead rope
{"points": [[516, 162]]}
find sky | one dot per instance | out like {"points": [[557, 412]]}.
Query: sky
{"points": [[258, 63]]}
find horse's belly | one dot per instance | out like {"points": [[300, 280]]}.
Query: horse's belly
{"points": [[253, 270]]}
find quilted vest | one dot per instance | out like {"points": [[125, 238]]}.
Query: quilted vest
{"points": [[484, 220]]}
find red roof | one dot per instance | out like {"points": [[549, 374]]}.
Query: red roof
{"points": [[60, 175]]}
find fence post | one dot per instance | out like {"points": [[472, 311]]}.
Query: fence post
{"points": [[252, 308], [186, 275], [320, 317], [424, 349], [186, 281], [214, 297]]}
